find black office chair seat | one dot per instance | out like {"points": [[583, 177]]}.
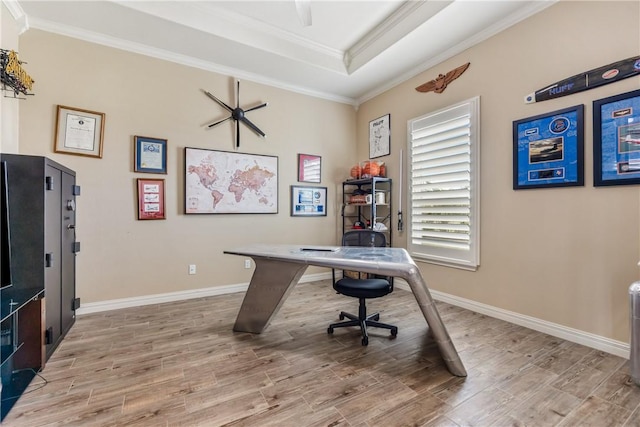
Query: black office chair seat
{"points": [[363, 289]]}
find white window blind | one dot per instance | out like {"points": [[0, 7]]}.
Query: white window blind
{"points": [[444, 188]]}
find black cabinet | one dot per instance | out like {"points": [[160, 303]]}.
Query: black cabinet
{"points": [[367, 204], [42, 211]]}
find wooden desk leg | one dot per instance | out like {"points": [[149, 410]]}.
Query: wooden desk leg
{"points": [[437, 328], [270, 286]]}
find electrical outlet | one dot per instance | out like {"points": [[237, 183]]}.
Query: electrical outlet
{"points": [[192, 269], [247, 263]]}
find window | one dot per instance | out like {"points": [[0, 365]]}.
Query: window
{"points": [[444, 196]]}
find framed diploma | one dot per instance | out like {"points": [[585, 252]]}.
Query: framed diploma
{"points": [[150, 154], [79, 132], [151, 198]]}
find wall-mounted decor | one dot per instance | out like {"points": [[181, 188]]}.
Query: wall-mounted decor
{"points": [[616, 139], [380, 136], [309, 168], [548, 149], [587, 80], [150, 154], [151, 199], [223, 182], [439, 84], [237, 114], [308, 201], [79, 132], [13, 77]]}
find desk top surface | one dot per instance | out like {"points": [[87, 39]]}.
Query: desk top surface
{"points": [[390, 261]]}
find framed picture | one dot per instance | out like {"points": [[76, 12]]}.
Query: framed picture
{"points": [[548, 150], [223, 182], [150, 154], [79, 132], [308, 201], [616, 140], [151, 199], [309, 168], [380, 137]]}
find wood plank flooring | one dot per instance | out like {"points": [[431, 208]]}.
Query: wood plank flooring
{"points": [[180, 364]]}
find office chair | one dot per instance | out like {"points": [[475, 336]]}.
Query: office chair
{"points": [[363, 286]]}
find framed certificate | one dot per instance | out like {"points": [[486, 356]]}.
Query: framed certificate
{"points": [[150, 154], [79, 132]]}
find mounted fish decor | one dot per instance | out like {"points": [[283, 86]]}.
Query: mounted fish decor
{"points": [[439, 84]]}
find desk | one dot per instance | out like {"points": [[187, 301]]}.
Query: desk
{"points": [[280, 267]]}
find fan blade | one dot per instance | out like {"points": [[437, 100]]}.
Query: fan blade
{"points": [[237, 133], [217, 100], [237, 93], [303, 7], [256, 107], [218, 122], [252, 126]]}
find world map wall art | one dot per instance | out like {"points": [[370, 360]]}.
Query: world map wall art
{"points": [[224, 182]]}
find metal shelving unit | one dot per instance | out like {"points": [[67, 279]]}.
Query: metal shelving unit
{"points": [[373, 211]]}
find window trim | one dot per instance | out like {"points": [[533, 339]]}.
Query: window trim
{"points": [[467, 260]]}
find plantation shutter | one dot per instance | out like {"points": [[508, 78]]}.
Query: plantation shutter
{"points": [[443, 214]]}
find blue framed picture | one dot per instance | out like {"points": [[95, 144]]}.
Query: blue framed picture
{"points": [[548, 149], [308, 201], [616, 140], [150, 154]]}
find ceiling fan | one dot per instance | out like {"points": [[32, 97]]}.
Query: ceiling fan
{"points": [[237, 114], [303, 7]]}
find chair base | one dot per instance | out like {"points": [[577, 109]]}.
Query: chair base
{"points": [[362, 321]]}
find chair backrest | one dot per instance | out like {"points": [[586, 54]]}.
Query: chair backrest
{"points": [[367, 238]]}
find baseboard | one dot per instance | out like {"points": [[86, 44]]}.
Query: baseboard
{"points": [[597, 342], [96, 307]]}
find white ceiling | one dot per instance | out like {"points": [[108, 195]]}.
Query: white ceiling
{"points": [[354, 49]]}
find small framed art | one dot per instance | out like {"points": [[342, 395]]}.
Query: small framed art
{"points": [[79, 132], [380, 136], [151, 199], [548, 149], [308, 201], [309, 168], [150, 154], [616, 140]]}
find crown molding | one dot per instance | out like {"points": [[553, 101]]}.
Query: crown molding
{"points": [[189, 61], [18, 14], [491, 31], [409, 16]]}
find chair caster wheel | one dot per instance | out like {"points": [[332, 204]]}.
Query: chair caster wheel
{"points": [[341, 317], [329, 330], [365, 341], [394, 332]]}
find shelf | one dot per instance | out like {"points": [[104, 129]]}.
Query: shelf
{"points": [[13, 299], [8, 351], [14, 387]]}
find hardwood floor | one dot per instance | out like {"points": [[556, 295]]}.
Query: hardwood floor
{"points": [[180, 364]]}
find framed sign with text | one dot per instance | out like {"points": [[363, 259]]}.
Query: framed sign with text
{"points": [[151, 199]]}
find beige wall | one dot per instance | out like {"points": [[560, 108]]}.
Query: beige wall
{"points": [[122, 257], [9, 107], [565, 255], [561, 255]]}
